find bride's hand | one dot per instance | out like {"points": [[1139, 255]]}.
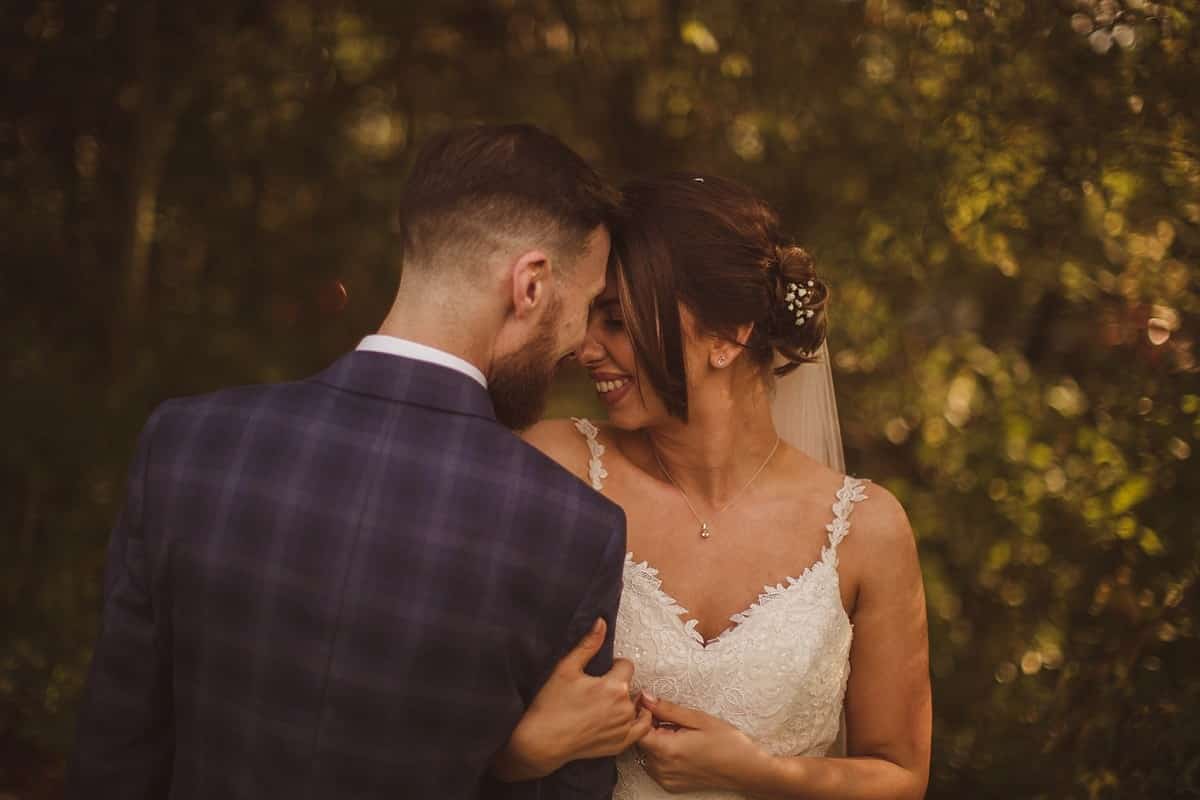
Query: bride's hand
{"points": [[697, 750], [574, 716]]}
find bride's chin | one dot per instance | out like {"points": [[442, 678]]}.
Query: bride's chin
{"points": [[626, 419]]}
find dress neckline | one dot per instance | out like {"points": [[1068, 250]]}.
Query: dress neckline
{"points": [[738, 620], [851, 492]]}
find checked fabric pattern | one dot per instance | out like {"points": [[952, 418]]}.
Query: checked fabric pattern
{"points": [[349, 586]]}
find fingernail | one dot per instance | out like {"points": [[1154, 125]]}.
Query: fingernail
{"points": [[598, 624], [649, 698]]}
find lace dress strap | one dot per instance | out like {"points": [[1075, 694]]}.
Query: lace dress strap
{"points": [[596, 471], [853, 491]]}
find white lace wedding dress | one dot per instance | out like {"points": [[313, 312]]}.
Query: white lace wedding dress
{"points": [[778, 673]]}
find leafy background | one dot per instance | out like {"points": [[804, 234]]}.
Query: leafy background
{"points": [[1003, 194]]}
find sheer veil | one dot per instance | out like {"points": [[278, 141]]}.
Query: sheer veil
{"points": [[805, 411], [806, 417]]}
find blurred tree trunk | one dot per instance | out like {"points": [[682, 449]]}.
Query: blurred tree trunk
{"points": [[154, 134]]}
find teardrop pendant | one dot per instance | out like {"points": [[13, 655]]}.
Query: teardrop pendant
{"points": [[704, 531]]}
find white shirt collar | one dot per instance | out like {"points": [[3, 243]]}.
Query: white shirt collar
{"points": [[379, 343]]}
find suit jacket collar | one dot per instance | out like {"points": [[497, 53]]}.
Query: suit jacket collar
{"points": [[406, 380]]}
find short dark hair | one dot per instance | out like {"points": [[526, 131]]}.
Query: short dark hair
{"points": [[470, 187], [716, 247]]}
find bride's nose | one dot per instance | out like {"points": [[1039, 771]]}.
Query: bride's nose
{"points": [[590, 352]]}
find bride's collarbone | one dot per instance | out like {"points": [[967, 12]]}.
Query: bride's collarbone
{"points": [[728, 570], [777, 531], [749, 547]]}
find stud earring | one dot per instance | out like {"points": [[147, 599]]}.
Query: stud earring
{"points": [[720, 360]]}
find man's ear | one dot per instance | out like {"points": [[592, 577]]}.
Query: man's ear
{"points": [[530, 282]]}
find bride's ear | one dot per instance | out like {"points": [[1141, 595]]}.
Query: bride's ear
{"points": [[725, 351]]}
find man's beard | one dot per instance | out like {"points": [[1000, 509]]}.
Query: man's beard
{"points": [[520, 382]]}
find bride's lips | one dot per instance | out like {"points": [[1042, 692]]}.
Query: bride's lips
{"points": [[612, 387]]}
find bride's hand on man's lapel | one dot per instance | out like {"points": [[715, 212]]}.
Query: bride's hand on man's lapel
{"points": [[695, 750], [574, 716]]}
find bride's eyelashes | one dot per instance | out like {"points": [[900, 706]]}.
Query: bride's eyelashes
{"points": [[609, 319], [615, 324]]}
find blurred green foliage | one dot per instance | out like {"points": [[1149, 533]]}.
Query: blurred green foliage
{"points": [[1003, 194]]}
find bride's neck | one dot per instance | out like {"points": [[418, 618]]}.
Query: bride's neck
{"points": [[727, 437]]}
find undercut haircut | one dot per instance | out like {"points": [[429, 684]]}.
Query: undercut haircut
{"points": [[475, 190]]}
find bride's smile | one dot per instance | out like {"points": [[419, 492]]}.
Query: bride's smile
{"points": [[611, 387]]}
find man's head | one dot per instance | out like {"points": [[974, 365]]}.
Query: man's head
{"points": [[505, 229]]}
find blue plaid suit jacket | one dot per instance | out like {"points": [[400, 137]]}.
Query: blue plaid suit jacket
{"points": [[349, 586]]}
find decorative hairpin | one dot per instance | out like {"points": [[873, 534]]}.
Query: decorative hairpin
{"points": [[698, 180], [795, 300]]}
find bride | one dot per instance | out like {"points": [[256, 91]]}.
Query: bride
{"points": [[772, 606]]}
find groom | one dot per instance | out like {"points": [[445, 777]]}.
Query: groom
{"points": [[353, 585]]}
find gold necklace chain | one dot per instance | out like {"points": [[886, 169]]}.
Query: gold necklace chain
{"points": [[706, 531]]}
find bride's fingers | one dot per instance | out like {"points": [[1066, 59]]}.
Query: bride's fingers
{"points": [[651, 744], [667, 711], [641, 726]]}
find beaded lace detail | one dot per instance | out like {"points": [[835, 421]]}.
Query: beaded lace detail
{"points": [[778, 673], [596, 471]]}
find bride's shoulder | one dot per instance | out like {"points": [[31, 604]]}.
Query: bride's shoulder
{"points": [[880, 529], [879, 525], [565, 441], [880, 512]]}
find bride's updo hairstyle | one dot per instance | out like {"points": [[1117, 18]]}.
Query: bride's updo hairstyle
{"points": [[716, 247]]}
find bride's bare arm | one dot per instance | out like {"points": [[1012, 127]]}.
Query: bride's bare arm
{"points": [[888, 701]]}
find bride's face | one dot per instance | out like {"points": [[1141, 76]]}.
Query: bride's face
{"points": [[608, 354]]}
